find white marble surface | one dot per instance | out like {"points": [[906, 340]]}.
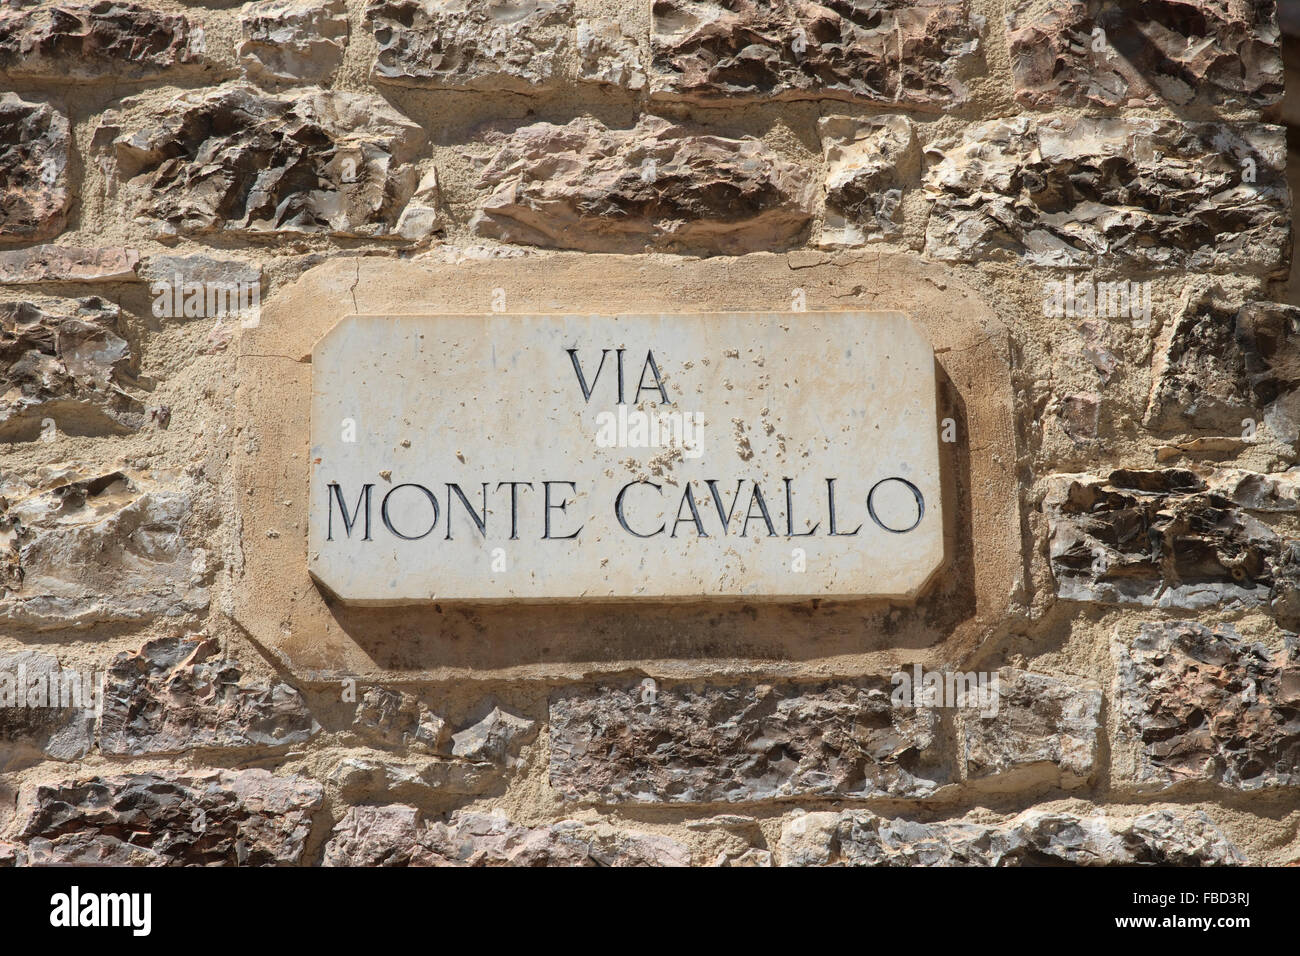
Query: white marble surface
{"points": [[787, 402]]}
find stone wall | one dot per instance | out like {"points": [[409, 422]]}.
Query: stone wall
{"points": [[1117, 160]]}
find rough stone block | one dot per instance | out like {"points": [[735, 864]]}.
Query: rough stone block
{"points": [[879, 51], [657, 185], [1034, 838], [608, 55], [395, 835], [1045, 731], [869, 163], [61, 264], [176, 695], [1174, 538], [46, 711], [293, 41], [85, 550], [108, 39], [471, 44], [1200, 703], [1109, 54], [71, 367], [1085, 192], [717, 744], [234, 160], [34, 194], [217, 818], [392, 718], [1219, 368]]}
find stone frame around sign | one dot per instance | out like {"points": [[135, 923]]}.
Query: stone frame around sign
{"points": [[272, 597]]}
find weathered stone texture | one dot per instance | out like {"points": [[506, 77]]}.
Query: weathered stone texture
{"points": [[414, 778], [759, 742], [292, 41], [234, 160], [1103, 53], [422, 216], [471, 44], [1079, 415], [657, 185], [471, 761], [46, 711], [1200, 703], [103, 40], [1219, 368], [1174, 538], [882, 51], [84, 550], [224, 817], [394, 835], [56, 264], [743, 858], [391, 718], [1135, 147], [71, 366], [1034, 838], [606, 54], [869, 162], [1045, 730], [497, 738], [175, 694], [34, 194], [1083, 192], [377, 836]]}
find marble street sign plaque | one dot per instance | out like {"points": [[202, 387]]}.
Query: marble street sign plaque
{"points": [[488, 458]]}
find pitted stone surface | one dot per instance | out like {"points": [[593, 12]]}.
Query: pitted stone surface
{"points": [[235, 160], [1201, 703], [471, 44], [1092, 191], [1034, 838], [34, 190], [395, 835], [718, 744], [1104, 53], [881, 51], [657, 185]]}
